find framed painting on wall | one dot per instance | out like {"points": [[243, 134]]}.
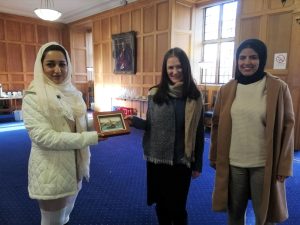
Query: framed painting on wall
{"points": [[110, 123], [124, 53]]}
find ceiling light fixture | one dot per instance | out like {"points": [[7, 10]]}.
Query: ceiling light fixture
{"points": [[47, 11]]}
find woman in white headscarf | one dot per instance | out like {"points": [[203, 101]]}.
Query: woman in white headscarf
{"points": [[55, 117]]}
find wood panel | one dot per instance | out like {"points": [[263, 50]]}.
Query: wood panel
{"points": [[54, 34], [294, 74], [183, 41], [275, 4], [249, 28], [2, 57], [13, 30], [163, 15], [251, 6], [96, 31], [14, 58], [148, 53], [148, 19], [105, 32], [30, 55], [20, 38], [136, 20], [278, 35], [28, 33], [106, 54], [125, 22], [80, 61], [114, 24], [183, 17], [42, 33], [2, 29], [162, 46]]}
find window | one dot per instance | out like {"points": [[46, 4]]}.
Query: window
{"points": [[218, 43]]}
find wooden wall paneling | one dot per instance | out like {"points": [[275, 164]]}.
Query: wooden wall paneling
{"points": [[28, 79], [105, 29], [125, 22], [162, 46], [139, 55], [20, 39], [136, 21], [96, 32], [30, 55], [54, 34], [137, 80], [115, 24], [126, 80], [106, 56], [13, 30], [251, 6], [16, 86], [2, 33], [249, 28], [294, 74], [3, 58], [14, 58], [276, 4], [42, 34], [4, 79], [97, 60], [148, 79], [163, 15], [16, 78], [28, 33], [183, 41], [183, 16], [148, 53], [278, 35], [80, 61], [148, 19]]}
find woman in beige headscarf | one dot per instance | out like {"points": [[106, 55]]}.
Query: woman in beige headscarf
{"points": [[55, 117]]}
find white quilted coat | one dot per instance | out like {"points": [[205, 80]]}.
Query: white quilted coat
{"points": [[52, 168]]}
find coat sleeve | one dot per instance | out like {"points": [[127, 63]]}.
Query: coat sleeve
{"points": [[214, 130], [285, 163], [43, 134], [199, 145]]}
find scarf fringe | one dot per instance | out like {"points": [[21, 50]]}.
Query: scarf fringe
{"points": [[185, 161]]}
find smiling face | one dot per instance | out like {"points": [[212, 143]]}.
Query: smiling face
{"points": [[174, 70], [248, 62], [55, 66]]}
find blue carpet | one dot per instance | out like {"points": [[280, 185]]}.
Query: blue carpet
{"points": [[116, 192]]}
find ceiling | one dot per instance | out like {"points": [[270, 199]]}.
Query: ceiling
{"points": [[71, 10]]}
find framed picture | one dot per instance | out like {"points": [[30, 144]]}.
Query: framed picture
{"points": [[124, 52], [110, 123]]}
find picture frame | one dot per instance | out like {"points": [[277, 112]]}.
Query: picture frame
{"points": [[110, 123], [124, 52]]}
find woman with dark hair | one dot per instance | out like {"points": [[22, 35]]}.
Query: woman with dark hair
{"points": [[252, 140], [174, 138], [55, 117]]}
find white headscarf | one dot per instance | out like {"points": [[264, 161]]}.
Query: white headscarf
{"points": [[63, 99]]}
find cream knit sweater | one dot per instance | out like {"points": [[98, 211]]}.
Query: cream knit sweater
{"points": [[248, 112]]}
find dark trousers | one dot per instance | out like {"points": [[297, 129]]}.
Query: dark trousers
{"points": [[168, 187]]}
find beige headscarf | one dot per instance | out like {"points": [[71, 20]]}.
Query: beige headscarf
{"points": [[71, 104]]}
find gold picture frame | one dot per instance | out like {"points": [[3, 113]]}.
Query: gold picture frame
{"points": [[110, 123]]}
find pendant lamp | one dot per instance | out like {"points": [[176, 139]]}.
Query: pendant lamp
{"points": [[47, 11]]}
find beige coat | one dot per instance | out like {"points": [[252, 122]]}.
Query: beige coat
{"points": [[280, 147]]}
